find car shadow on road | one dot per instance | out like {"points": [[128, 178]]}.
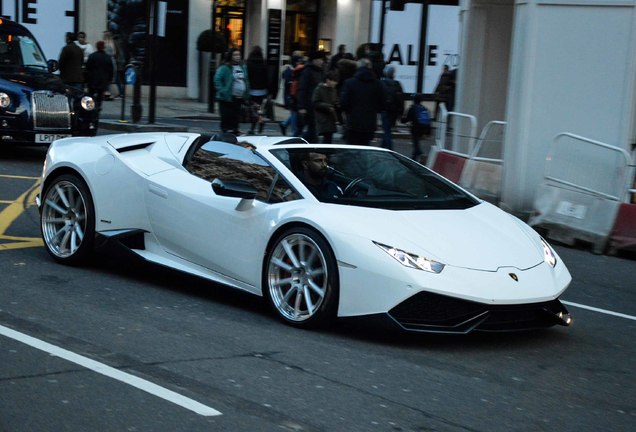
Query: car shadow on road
{"points": [[354, 330], [363, 331]]}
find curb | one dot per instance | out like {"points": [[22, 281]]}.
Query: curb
{"points": [[140, 127]]}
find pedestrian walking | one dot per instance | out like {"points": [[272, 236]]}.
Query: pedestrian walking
{"points": [[288, 77], [70, 63], [99, 73], [361, 100], [419, 118], [259, 85], [325, 102], [85, 46], [394, 105], [310, 77], [232, 90], [443, 90], [341, 54], [113, 50]]}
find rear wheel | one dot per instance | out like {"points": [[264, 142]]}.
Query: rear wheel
{"points": [[301, 278], [67, 219]]}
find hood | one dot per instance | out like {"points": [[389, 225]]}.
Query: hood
{"points": [[35, 80], [364, 74], [482, 237]]}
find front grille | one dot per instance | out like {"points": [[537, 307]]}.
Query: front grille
{"points": [[427, 311], [50, 111]]}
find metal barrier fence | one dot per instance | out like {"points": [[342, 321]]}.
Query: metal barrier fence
{"points": [[473, 162], [482, 173], [585, 182], [459, 129]]}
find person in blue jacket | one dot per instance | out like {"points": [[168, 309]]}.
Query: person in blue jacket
{"points": [[232, 86]]}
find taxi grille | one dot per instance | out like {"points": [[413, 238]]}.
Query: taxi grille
{"points": [[50, 111]]}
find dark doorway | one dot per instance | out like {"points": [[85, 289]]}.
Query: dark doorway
{"points": [[301, 26]]}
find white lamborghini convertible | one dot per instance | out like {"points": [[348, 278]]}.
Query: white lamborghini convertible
{"points": [[320, 231]]}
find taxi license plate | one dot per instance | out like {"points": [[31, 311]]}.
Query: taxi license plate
{"points": [[48, 138]]}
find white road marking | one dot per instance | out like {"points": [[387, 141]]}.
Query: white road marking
{"points": [[605, 311], [111, 372]]}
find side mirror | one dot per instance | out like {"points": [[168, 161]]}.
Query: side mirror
{"points": [[53, 65], [234, 188]]}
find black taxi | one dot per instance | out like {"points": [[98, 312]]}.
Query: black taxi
{"points": [[36, 107]]}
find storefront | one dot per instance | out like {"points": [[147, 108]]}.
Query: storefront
{"points": [[281, 27]]}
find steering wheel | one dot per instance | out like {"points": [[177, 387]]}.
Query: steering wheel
{"points": [[354, 186]]}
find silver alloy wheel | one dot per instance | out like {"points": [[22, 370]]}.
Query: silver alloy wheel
{"points": [[297, 277], [64, 219]]}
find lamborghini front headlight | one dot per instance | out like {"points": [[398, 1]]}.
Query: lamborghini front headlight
{"points": [[412, 260], [548, 254]]}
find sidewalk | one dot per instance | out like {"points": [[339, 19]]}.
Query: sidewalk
{"points": [[205, 122], [112, 119]]}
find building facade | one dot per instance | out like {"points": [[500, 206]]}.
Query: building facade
{"points": [[287, 25]]}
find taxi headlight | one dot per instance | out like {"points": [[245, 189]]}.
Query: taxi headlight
{"points": [[5, 100], [412, 260], [88, 103]]}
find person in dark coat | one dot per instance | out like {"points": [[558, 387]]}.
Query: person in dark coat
{"points": [[259, 86], [99, 73], [309, 79], [442, 90], [394, 105], [342, 54], [325, 102], [70, 63], [361, 100]]}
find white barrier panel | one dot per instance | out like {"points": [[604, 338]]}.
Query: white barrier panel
{"points": [[585, 182]]}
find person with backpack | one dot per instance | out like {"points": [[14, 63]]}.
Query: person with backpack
{"points": [[290, 79], [394, 105], [420, 119]]}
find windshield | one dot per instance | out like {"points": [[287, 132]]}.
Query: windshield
{"points": [[371, 178], [20, 51]]}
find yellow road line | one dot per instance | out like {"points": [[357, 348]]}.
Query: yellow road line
{"points": [[18, 177], [33, 242], [13, 211]]}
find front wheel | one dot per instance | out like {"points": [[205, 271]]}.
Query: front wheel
{"points": [[301, 278], [67, 219]]}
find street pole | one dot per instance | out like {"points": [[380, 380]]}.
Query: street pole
{"points": [[212, 64], [152, 63], [422, 54], [135, 108]]}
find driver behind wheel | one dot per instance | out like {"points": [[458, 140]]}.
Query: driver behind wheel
{"points": [[314, 177]]}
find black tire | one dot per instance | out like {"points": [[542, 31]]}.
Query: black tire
{"points": [[67, 220], [300, 278]]}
